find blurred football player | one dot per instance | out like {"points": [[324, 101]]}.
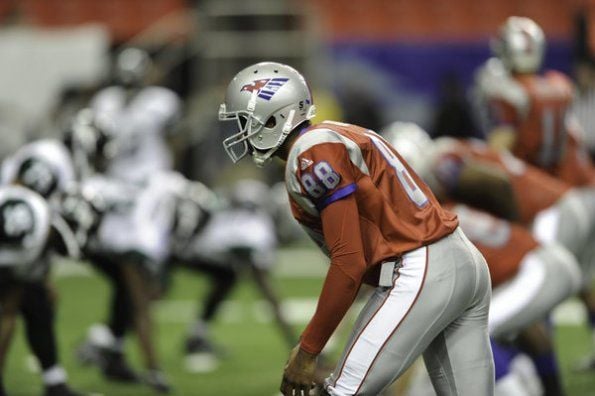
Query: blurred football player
{"points": [[129, 242], [238, 236], [129, 248], [30, 232], [532, 114], [381, 225], [529, 280], [531, 111], [138, 116], [471, 172], [538, 276]]}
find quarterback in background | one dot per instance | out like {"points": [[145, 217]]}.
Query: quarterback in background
{"points": [[379, 224]]}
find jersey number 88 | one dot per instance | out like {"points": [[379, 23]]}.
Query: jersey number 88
{"points": [[323, 179]]}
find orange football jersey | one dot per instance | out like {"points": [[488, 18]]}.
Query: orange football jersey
{"points": [[537, 110], [537, 107], [397, 211], [534, 189], [363, 205], [501, 243]]}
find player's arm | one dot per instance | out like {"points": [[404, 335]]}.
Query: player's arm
{"points": [[504, 105], [486, 188], [9, 308], [261, 277], [340, 221]]}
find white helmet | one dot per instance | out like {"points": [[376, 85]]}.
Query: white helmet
{"points": [[132, 66], [412, 143], [520, 45], [268, 100]]}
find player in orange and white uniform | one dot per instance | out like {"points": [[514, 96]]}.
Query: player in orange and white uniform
{"points": [[528, 278], [531, 111], [493, 180], [538, 276], [381, 225]]}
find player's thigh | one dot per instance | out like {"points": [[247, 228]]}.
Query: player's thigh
{"points": [[398, 324], [547, 275], [459, 360], [568, 222]]}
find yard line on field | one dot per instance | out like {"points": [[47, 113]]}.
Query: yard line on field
{"points": [[301, 262], [64, 268], [570, 312], [300, 310]]}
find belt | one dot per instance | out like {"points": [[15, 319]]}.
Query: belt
{"points": [[387, 271]]}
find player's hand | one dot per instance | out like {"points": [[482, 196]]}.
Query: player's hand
{"points": [[298, 376], [157, 380]]}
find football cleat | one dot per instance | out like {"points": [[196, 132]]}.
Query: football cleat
{"points": [[157, 380], [116, 368], [89, 354], [202, 356]]}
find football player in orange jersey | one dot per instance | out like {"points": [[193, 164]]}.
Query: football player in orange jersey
{"points": [[469, 171], [531, 111], [381, 225], [529, 280], [532, 116]]}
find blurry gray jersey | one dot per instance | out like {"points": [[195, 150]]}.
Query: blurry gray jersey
{"points": [[135, 218], [235, 228], [139, 126]]}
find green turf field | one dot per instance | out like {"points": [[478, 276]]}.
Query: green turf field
{"points": [[256, 350]]}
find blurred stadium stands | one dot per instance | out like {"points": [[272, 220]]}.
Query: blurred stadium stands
{"points": [[403, 50]]}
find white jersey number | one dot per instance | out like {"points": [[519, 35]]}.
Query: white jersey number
{"points": [[323, 180], [412, 190]]}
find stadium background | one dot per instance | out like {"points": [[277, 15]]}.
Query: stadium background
{"points": [[369, 61]]}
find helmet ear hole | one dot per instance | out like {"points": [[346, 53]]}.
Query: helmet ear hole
{"points": [[243, 120], [271, 122]]}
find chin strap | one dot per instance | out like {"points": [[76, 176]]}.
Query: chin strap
{"points": [[287, 127], [261, 160]]}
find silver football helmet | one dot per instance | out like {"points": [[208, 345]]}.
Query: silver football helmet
{"points": [[267, 100], [412, 143], [520, 45]]}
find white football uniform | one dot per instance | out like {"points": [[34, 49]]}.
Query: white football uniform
{"points": [[138, 125], [235, 228], [136, 219]]}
